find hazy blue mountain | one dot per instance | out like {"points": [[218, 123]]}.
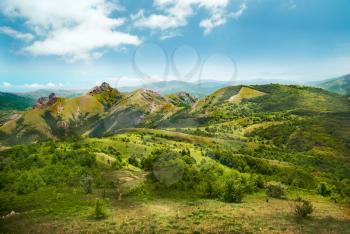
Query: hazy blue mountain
{"points": [[46, 92], [169, 87], [198, 89]]}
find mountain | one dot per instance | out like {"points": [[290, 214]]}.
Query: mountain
{"points": [[56, 117], [46, 92], [242, 144], [340, 85], [139, 108], [105, 110], [197, 89], [9, 101], [202, 88]]}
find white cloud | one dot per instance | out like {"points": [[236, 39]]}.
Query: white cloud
{"points": [[49, 85], [6, 84], [220, 18], [72, 29], [169, 34], [175, 13], [16, 34]]}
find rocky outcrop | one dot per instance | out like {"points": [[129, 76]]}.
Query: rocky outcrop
{"points": [[104, 87], [45, 101]]}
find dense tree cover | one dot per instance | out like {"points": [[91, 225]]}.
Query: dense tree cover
{"points": [[24, 169]]}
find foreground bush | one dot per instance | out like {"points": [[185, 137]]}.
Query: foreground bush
{"points": [[275, 189], [86, 183], [233, 192], [100, 211], [303, 208], [324, 190], [28, 182]]}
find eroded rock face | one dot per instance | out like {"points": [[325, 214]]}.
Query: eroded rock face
{"points": [[99, 89], [45, 101]]}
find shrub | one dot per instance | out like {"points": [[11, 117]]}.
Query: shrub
{"points": [[28, 182], [259, 181], [233, 192], [134, 160], [86, 183], [303, 208], [275, 189], [139, 190], [324, 190], [100, 211]]}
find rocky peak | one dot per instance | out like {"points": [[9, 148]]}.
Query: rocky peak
{"points": [[104, 87], [45, 101]]}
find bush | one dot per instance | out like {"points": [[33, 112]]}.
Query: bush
{"points": [[233, 192], [28, 182], [139, 190], [324, 190], [303, 208], [134, 160], [100, 211], [86, 183], [275, 189]]}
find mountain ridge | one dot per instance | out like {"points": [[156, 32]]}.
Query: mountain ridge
{"points": [[104, 110]]}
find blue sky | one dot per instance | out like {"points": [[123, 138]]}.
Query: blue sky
{"points": [[76, 44]]}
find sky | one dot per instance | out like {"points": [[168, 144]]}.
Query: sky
{"points": [[65, 44]]}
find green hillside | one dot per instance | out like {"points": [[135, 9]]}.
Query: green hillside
{"points": [[10, 101], [340, 85], [245, 159]]}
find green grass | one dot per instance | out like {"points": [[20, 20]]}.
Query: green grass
{"points": [[292, 135]]}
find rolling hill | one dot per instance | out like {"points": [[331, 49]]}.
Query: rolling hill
{"points": [[105, 110], [108, 152], [9, 101], [340, 85]]}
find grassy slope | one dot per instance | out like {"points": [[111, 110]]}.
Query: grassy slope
{"points": [[339, 85], [295, 137], [10, 101], [67, 209]]}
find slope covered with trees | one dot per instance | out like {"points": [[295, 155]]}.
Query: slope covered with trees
{"points": [[272, 153]]}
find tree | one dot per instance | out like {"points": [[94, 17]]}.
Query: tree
{"points": [[275, 189], [233, 192]]}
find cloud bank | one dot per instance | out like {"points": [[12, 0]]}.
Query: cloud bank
{"points": [[73, 29], [84, 29]]}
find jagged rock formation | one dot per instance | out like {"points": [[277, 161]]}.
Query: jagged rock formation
{"points": [[104, 87], [45, 101], [107, 95]]}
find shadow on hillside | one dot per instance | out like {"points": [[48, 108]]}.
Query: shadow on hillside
{"points": [[323, 225]]}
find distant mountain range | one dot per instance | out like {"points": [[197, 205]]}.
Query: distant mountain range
{"points": [[22, 101], [339, 85], [105, 110], [46, 92], [201, 88], [197, 89]]}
